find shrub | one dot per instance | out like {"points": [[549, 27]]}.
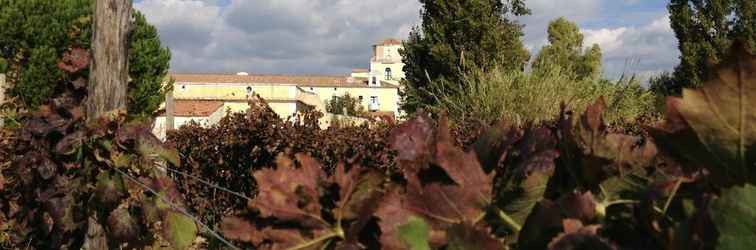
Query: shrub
{"points": [[529, 97], [345, 105]]}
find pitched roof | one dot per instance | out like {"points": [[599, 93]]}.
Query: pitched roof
{"points": [[300, 80], [193, 108], [390, 41]]}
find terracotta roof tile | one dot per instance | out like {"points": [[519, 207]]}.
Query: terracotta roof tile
{"points": [[185, 108], [300, 80], [391, 41]]}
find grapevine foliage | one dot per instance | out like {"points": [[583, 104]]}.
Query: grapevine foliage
{"points": [[72, 184], [571, 184], [574, 183], [227, 153]]}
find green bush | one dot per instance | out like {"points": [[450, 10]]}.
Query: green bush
{"points": [[3, 65], [345, 105], [522, 97]]}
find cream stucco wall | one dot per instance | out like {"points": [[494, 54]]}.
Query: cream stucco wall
{"points": [[397, 71], [388, 98], [220, 91], [387, 57]]}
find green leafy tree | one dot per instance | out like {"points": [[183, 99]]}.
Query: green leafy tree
{"points": [[341, 104], [35, 33], [705, 30], [565, 50], [148, 67], [457, 36], [3, 65]]}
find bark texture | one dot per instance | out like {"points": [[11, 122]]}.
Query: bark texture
{"points": [[109, 75]]}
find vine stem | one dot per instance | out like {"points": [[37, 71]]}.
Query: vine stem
{"points": [[510, 222], [337, 233], [617, 202], [672, 195]]}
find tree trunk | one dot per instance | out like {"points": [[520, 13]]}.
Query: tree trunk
{"points": [[108, 78], [170, 107]]}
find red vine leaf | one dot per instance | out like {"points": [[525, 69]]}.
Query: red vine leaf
{"points": [[292, 197], [577, 236], [442, 204], [291, 194], [467, 236], [235, 228], [414, 142], [599, 153], [545, 222], [74, 60], [123, 227]]}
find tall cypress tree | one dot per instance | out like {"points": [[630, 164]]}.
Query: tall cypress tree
{"points": [[457, 36], [705, 30]]}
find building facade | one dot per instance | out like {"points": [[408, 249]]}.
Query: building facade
{"points": [[377, 89], [385, 64]]}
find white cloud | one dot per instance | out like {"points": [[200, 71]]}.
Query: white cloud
{"points": [[291, 36], [645, 50], [333, 36], [608, 39]]}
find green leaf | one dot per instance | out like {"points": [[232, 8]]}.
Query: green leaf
{"points": [[109, 189], [179, 230], [734, 215], [530, 168], [416, 234], [148, 148]]}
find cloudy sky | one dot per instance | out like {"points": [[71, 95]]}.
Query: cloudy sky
{"points": [[334, 36]]}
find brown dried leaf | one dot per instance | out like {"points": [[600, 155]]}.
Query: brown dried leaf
{"points": [[714, 126]]}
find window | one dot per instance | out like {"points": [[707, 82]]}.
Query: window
{"points": [[375, 80], [360, 97], [388, 73], [249, 89], [373, 105]]}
